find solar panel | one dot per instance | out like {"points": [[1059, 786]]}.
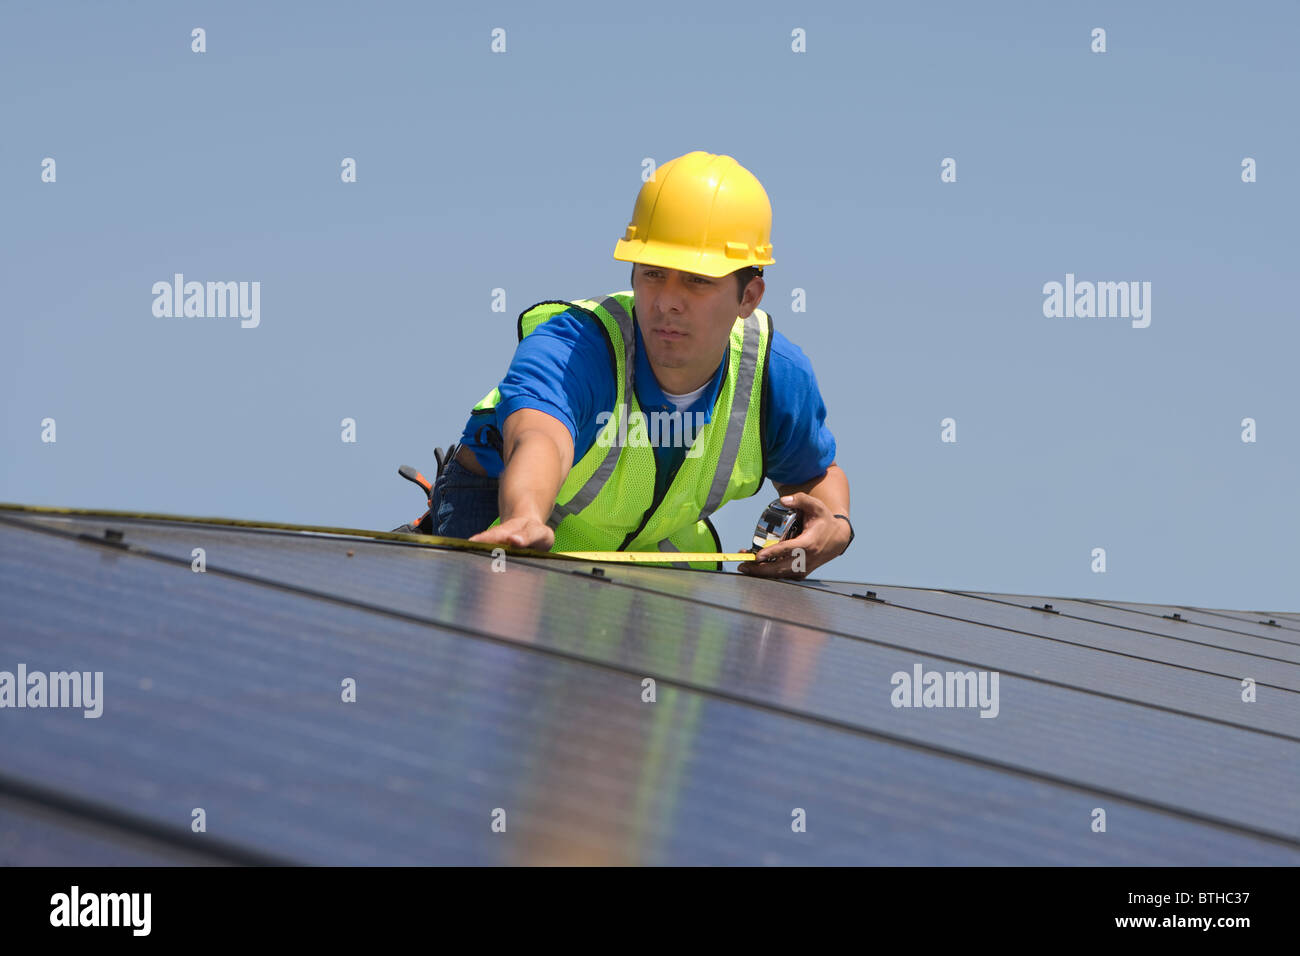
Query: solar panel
{"points": [[522, 691]]}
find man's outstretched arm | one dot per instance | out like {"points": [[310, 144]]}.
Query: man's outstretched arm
{"points": [[823, 536], [537, 450]]}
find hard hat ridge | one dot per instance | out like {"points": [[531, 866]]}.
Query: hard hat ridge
{"points": [[702, 213]]}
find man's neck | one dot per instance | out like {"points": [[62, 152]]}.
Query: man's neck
{"points": [[680, 381]]}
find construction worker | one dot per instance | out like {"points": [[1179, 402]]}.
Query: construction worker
{"points": [[626, 420]]}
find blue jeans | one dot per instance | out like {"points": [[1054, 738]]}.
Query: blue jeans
{"points": [[463, 503]]}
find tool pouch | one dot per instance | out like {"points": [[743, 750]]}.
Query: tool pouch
{"points": [[424, 523]]}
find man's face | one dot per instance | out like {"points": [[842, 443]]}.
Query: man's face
{"points": [[686, 319]]}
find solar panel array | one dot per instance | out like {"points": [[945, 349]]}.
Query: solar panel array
{"points": [[318, 699]]}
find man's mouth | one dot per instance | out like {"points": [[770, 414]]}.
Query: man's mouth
{"points": [[669, 333]]}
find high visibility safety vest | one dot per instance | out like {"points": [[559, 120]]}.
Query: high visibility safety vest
{"points": [[607, 502]]}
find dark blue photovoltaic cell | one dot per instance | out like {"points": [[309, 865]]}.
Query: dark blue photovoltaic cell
{"points": [[522, 691], [995, 608], [33, 836], [1254, 626], [1285, 627]]}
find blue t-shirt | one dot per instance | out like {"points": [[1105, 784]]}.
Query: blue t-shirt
{"points": [[563, 368]]}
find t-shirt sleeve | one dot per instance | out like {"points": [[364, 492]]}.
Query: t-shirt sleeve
{"points": [[557, 369], [798, 445]]}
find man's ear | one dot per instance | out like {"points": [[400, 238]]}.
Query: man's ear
{"points": [[754, 290]]}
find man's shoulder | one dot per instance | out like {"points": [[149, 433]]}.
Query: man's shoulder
{"points": [[578, 313], [570, 349], [573, 324], [787, 358]]}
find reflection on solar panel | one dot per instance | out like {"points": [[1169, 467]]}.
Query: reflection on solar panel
{"points": [[315, 699]]}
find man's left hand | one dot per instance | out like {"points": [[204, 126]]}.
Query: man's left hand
{"points": [[823, 537]]}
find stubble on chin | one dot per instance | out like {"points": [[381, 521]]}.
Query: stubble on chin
{"points": [[665, 358]]}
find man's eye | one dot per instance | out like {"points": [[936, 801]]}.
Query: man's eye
{"points": [[700, 280]]}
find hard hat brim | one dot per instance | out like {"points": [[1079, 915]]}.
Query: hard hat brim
{"points": [[696, 261]]}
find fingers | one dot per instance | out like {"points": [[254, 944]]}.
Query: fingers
{"points": [[523, 533], [785, 549], [533, 539], [805, 503], [810, 539], [783, 568], [778, 561]]}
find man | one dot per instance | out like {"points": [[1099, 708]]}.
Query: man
{"points": [[624, 422]]}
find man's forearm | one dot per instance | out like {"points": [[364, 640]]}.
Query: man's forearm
{"points": [[832, 489], [534, 472]]}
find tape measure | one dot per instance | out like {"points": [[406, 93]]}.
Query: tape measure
{"points": [[652, 557], [427, 540]]}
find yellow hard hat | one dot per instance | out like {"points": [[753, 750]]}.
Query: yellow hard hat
{"points": [[700, 213]]}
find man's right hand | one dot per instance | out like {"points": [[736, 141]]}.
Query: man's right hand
{"points": [[519, 533]]}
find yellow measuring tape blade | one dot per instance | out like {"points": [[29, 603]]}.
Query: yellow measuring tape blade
{"points": [[653, 557], [427, 540]]}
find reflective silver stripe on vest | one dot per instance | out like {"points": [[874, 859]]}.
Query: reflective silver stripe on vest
{"points": [[666, 545], [740, 401], [588, 492]]}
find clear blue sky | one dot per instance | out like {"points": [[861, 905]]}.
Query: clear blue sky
{"points": [[518, 170]]}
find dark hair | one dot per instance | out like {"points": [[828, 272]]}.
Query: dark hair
{"points": [[742, 278]]}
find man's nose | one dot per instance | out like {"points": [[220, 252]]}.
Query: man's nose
{"points": [[672, 294]]}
